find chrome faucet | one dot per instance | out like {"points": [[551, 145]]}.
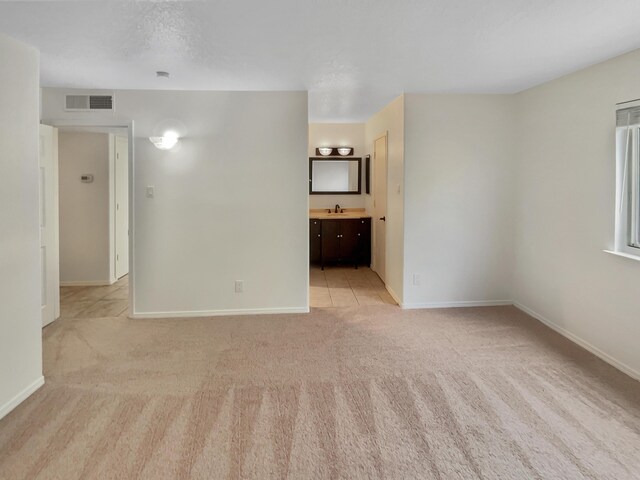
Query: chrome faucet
{"points": [[337, 208]]}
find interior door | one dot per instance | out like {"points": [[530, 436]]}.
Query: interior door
{"points": [[380, 205], [49, 229], [121, 206]]}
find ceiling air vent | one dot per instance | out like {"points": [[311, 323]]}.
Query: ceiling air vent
{"points": [[86, 103]]}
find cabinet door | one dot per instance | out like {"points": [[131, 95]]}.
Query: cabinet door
{"points": [[364, 239], [315, 240], [348, 239], [331, 239]]}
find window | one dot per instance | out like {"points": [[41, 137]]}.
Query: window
{"points": [[628, 178]]}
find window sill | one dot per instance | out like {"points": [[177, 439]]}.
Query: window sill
{"points": [[624, 254]]}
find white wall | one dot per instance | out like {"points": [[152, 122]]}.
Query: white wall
{"points": [[231, 200], [84, 208], [566, 208], [390, 120], [459, 171], [20, 279], [335, 135]]}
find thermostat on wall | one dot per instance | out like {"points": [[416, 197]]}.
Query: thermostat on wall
{"points": [[86, 178]]}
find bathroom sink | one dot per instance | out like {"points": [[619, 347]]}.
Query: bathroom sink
{"points": [[354, 213]]}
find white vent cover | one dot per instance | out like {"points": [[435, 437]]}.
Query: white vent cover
{"points": [[87, 103]]}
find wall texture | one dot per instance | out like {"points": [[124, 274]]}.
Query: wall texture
{"points": [[20, 317], [458, 217], [337, 134], [84, 208], [231, 200], [390, 120], [566, 209]]}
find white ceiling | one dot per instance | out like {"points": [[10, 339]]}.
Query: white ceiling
{"points": [[353, 56]]}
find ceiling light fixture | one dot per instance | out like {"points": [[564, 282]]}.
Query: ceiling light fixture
{"points": [[162, 74], [165, 142]]}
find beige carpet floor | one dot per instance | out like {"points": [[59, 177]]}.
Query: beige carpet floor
{"points": [[362, 392]]}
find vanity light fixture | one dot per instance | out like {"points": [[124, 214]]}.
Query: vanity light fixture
{"points": [[165, 142], [334, 151]]}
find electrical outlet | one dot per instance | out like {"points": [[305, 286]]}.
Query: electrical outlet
{"points": [[416, 279], [239, 286]]}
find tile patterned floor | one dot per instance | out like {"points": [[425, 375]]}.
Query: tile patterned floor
{"points": [[333, 287], [95, 302], [346, 287]]}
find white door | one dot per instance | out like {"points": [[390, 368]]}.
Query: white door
{"points": [[379, 205], [122, 206], [49, 242]]}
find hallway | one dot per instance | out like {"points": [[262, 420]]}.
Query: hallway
{"points": [[95, 302]]}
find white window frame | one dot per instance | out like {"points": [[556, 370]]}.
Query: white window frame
{"points": [[627, 235]]}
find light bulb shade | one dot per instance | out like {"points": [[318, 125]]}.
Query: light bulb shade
{"points": [[325, 150], [165, 142], [344, 150]]}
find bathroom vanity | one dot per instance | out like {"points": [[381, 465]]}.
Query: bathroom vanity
{"points": [[340, 238]]}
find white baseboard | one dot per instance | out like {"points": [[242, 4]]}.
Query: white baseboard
{"points": [[20, 397], [87, 283], [583, 343], [480, 303], [220, 313]]}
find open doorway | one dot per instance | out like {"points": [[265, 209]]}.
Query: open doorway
{"points": [[342, 222], [93, 221]]}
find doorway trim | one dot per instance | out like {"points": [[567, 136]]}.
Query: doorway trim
{"points": [[114, 123]]}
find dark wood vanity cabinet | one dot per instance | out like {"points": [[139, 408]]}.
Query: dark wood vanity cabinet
{"points": [[315, 240], [364, 241], [345, 241]]}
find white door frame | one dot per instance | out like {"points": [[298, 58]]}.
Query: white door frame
{"points": [[49, 223], [114, 123], [117, 235]]}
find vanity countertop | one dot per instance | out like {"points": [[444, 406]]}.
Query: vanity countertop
{"points": [[345, 213]]}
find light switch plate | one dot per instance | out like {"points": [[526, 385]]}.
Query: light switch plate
{"points": [[150, 192]]}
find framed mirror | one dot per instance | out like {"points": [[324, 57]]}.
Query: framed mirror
{"points": [[331, 176]]}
